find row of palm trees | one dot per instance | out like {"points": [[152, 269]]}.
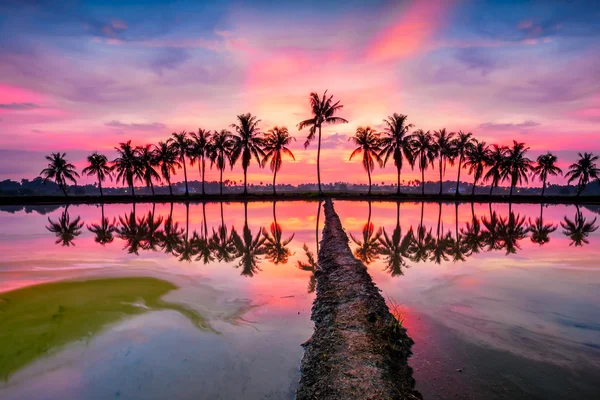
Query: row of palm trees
{"points": [[486, 163], [397, 248]]}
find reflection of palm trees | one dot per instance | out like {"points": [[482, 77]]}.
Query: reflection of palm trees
{"points": [[104, 231], [512, 230], [422, 243], [578, 229], [132, 232], [203, 247], [457, 245], [310, 266], [473, 236], [185, 248], [491, 236], [65, 230], [540, 232], [394, 248], [249, 247], [276, 250], [222, 242], [171, 234], [368, 248], [441, 245]]}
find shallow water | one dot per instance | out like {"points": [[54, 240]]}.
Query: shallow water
{"points": [[510, 309]]}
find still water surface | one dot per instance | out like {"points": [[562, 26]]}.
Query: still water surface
{"points": [[213, 301]]}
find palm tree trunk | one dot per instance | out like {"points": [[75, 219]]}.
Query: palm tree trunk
{"points": [[100, 185], [491, 187], [460, 160], [369, 175], [398, 189], [473, 190], [422, 180], [245, 187], [441, 159], [397, 214], [274, 176], [152, 187], [439, 219], [222, 215], [185, 174], [221, 183], [203, 169], [543, 187], [64, 190], [579, 190], [317, 226], [245, 213], [511, 189], [170, 187], [132, 191], [319, 162]]}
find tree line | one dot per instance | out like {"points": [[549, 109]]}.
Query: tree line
{"points": [[421, 149]]}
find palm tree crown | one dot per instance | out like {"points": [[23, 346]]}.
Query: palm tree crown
{"points": [[166, 158], [248, 143], [275, 145], [584, 170], [462, 143], [497, 161], [517, 165], [98, 165], [424, 151], [395, 142], [477, 157], [546, 165], [199, 150], [181, 143], [60, 170], [368, 144], [127, 165], [219, 151], [147, 159], [446, 150]]}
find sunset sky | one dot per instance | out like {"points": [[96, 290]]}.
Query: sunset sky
{"points": [[81, 76]]}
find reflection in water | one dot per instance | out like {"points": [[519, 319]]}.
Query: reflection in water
{"points": [[578, 229], [368, 248], [276, 249], [65, 229]]}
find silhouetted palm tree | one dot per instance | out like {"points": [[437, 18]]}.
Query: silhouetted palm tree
{"points": [[492, 235], [395, 248], [148, 161], [171, 235], [310, 266], [497, 164], [166, 158], [275, 248], [368, 144], [546, 165], [422, 242], [517, 165], [540, 232], [512, 230], [368, 248], [181, 144], [476, 159], [583, 170], [275, 145], [424, 152], [132, 232], [185, 248], [98, 165], [249, 248], [65, 230], [323, 112], [444, 142], [578, 229], [152, 234], [127, 165], [458, 247], [441, 244], [105, 230], [60, 170], [223, 242], [462, 143], [395, 142], [200, 143], [474, 237], [219, 152], [248, 143]]}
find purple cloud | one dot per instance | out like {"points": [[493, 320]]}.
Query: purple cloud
{"points": [[154, 126], [509, 126], [18, 106]]}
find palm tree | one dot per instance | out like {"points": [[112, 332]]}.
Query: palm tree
{"points": [[275, 145], [546, 165], [477, 157], [128, 165], [497, 164], [578, 229], [444, 142], [219, 151], [423, 241], [517, 165], [166, 157], [584, 169], [323, 112], [540, 232], [185, 248], [199, 151], [223, 243], [105, 230], [152, 233], [98, 165], [171, 235], [396, 142], [462, 144], [65, 230], [442, 242], [512, 230], [491, 236], [275, 248], [368, 248], [249, 248], [248, 143], [181, 144], [473, 235], [424, 151], [148, 161], [132, 231], [458, 246], [60, 170], [310, 266], [367, 141], [394, 248]]}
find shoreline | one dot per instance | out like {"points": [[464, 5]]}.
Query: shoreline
{"points": [[295, 196]]}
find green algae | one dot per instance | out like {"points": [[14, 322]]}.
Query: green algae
{"points": [[38, 319]]}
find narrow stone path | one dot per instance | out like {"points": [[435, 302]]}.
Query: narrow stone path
{"points": [[358, 349]]}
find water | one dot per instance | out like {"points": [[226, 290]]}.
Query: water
{"points": [[161, 302]]}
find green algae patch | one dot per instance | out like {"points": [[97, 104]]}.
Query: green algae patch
{"points": [[38, 319]]}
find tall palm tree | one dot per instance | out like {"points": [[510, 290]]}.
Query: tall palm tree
{"points": [[65, 230], [444, 142], [323, 112], [60, 170], [219, 152], [476, 159], [275, 145], [148, 160], [368, 144], [127, 165], [424, 151], [517, 165], [497, 164], [462, 143], [105, 230], [181, 143], [275, 248], [395, 142], [166, 158], [199, 151], [546, 165], [578, 229], [248, 143], [98, 165], [584, 169]]}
